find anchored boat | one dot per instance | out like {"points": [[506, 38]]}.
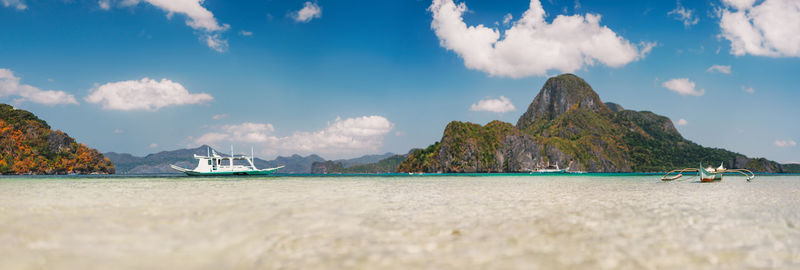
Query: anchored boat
{"points": [[548, 170], [708, 174], [215, 165]]}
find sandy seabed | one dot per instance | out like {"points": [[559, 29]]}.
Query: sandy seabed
{"points": [[448, 222]]}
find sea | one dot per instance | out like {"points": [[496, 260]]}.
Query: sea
{"points": [[479, 221]]}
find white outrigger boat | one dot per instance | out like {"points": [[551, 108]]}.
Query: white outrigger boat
{"points": [[549, 170], [708, 174], [216, 165]]}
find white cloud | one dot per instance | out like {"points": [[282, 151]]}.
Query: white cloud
{"points": [[198, 18], [245, 33], [771, 28], [308, 12], [18, 4], [153, 145], [216, 42], [719, 68], [683, 14], [507, 19], [358, 135], [500, 105], [683, 86], [219, 116], [248, 132], [682, 122], [211, 138], [118, 131], [785, 143], [144, 94], [532, 46], [748, 90], [10, 86], [104, 4]]}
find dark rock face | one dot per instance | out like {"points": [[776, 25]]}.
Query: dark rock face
{"points": [[58, 142], [520, 152], [557, 96]]}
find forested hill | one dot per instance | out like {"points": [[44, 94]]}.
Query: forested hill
{"points": [[568, 125], [29, 146]]}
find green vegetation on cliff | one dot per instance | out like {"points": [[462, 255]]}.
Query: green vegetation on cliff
{"points": [[567, 124], [29, 146]]}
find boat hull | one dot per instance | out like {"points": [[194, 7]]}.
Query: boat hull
{"points": [[193, 173], [562, 171], [706, 176], [226, 173]]}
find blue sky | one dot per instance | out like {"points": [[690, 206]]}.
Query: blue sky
{"points": [[347, 78]]}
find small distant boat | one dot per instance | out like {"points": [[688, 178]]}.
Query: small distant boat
{"points": [[708, 174], [216, 165], [549, 170]]}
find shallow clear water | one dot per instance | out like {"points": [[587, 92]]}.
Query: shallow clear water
{"points": [[589, 222]]}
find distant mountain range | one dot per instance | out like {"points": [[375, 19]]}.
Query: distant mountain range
{"points": [[568, 125], [159, 162], [388, 164]]}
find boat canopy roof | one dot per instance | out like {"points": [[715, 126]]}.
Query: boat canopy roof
{"points": [[221, 157]]}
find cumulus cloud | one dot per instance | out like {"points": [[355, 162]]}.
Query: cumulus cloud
{"points": [[682, 122], [144, 94], [532, 46], [245, 33], [719, 68], [500, 105], [683, 86], [219, 116], [10, 86], [197, 17], [18, 4], [307, 13], [769, 28], [358, 135], [242, 133], [687, 16], [785, 143], [748, 90]]}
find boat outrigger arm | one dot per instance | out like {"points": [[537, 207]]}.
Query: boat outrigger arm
{"points": [[708, 173]]}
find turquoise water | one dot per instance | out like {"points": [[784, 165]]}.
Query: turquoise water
{"points": [[588, 221]]}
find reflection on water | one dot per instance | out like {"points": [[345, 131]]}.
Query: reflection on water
{"points": [[404, 222]]}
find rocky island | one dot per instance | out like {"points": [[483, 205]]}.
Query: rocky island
{"points": [[29, 146], [567, 124]]}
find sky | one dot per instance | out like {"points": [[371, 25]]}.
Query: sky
{"points": [[346, 78]]}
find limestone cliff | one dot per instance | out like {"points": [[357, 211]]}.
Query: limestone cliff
{"points": [[567, 124], [29, 146]]}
